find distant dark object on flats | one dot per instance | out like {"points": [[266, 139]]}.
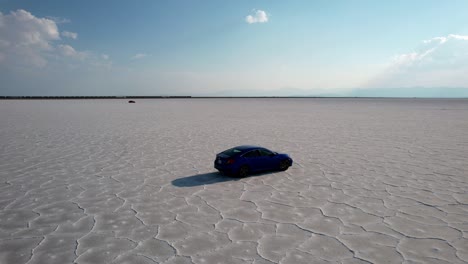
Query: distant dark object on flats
{"points": [[131, 102], [242, 160]]}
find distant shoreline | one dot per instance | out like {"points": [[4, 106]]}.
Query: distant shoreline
{"points": [[204, 97]]}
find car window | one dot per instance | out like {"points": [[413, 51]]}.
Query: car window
{"points": [[251, 154], [231, 152], [264, 152]]}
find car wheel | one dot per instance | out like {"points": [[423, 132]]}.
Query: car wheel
{"points": [[284, 165], [243, 171]]}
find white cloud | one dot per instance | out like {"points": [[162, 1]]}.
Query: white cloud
{"points": [[69, 51], [139, 56], [260, 16], [24, 38], [410, 58], [69, 34], [104, 56], [439, 62], [27, 40], [431, 46], [440, 40], [21, 28], [453, 36]]}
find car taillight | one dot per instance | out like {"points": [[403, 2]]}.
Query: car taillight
{"points": [[230, 161]]}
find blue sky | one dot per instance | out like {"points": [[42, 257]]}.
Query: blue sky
{"points": [[233, 47]]}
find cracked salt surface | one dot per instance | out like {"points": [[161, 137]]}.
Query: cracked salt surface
{"points": [[101, 181]]}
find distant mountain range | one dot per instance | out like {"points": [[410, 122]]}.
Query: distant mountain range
{"points": [[440, 92], [422, 92]]}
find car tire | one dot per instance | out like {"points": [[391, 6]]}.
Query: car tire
{"points": [[243, 171], [284, 165]]}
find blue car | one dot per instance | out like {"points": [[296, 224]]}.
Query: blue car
{"points": [[242, 160]]}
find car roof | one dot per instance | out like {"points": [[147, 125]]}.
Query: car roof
{"points": [[241, 150], [248, 147]]}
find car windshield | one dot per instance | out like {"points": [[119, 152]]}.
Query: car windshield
{"points": [[231, 152]]}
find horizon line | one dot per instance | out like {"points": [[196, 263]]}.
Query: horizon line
{"points": [[210, 97]]}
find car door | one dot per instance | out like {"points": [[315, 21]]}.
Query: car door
{"points": [[252, 158], [266, 159]]}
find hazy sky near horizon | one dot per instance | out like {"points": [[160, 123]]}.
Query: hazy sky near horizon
{"points": [[230, 47]]}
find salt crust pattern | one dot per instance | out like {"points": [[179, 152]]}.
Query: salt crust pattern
{"points": [[103, 181]]}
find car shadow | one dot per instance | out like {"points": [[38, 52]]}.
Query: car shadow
{"points": [[210, 178], [202, 179]]}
